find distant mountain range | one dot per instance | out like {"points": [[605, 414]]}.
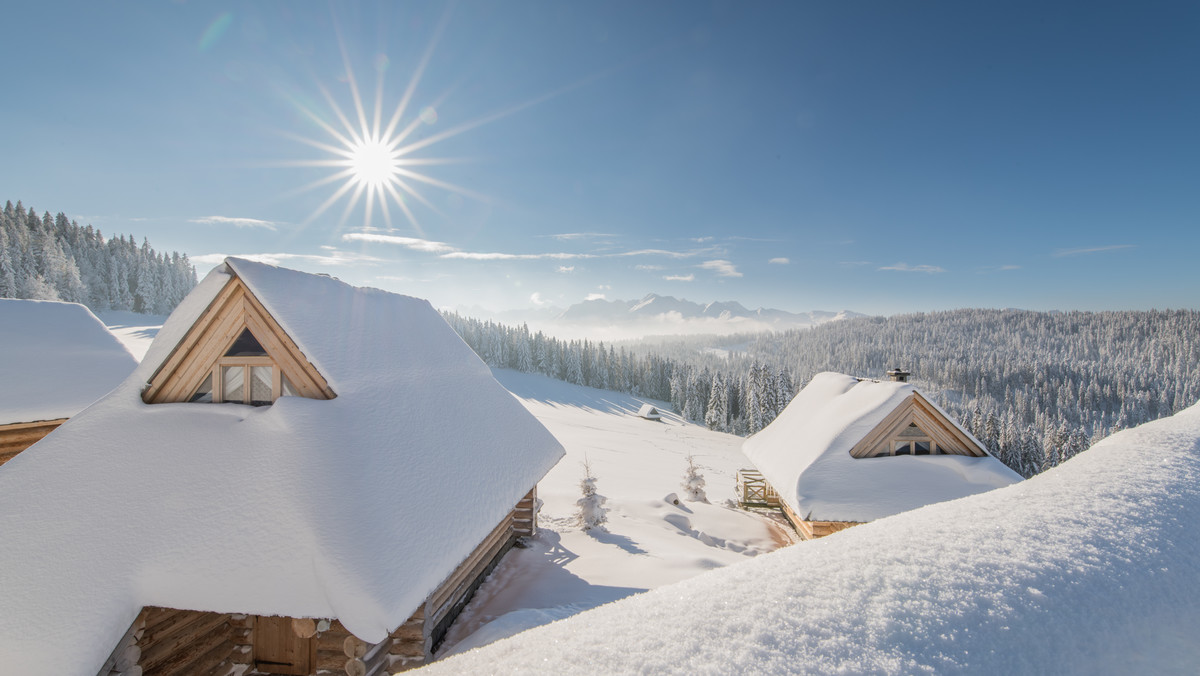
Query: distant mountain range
{"points": [[660, 315]]}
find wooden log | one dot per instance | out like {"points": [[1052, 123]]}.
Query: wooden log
{"points": [[354, 647], [199, 628], [190, 659], [446, 593], [355, 667]]}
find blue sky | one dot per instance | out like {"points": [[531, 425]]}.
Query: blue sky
{"points": [[879, 157]]}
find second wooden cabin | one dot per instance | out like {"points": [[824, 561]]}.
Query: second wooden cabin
{"points": [[850, 450]]}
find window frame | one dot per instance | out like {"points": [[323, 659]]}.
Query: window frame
{"points": [[218, 379]]}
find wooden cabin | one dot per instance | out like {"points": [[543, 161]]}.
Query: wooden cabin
{"points": [[285, 485], [850, 450], [55, 360], [649, 412]]}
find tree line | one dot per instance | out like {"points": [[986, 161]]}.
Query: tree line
{"points": [[1035, 387], [53, 258]]}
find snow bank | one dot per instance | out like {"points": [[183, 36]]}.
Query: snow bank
{"points": [[1089, 568], [354, 508], [55, 360], [805, 455]]}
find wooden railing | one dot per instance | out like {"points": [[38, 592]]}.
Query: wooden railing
{"points": [[754, 491]]}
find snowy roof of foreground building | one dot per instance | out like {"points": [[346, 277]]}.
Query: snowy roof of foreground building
{"points": [[55, 360], [805, 455], [353, 508], [1089, 568]]}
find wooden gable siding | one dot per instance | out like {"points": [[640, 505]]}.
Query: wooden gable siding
{"points": [[915, 409], [17, 437], [233, 309], [811, 530]]}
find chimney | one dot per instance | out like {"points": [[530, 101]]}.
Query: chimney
{"points": [[898, 375]]}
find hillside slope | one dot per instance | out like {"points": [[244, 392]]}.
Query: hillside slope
{"points": [[1089, 568]]}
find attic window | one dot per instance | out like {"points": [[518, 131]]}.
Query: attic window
{"points": [[911, 440], [246, 374], [246, 345]]}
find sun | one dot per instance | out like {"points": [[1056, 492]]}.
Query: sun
{"points": [[373, 162], [376, 161]]}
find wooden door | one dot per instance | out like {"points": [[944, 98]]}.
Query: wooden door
{"points": [[278, 650]]}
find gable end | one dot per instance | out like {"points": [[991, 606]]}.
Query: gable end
{"points": [[931, 424], [232, 311]]}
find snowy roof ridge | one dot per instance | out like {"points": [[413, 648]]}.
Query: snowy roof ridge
{"points": [[305, 492], [57, 359], [1087, 568], [805, 455]]}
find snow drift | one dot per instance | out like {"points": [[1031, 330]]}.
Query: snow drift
{"points": [[1089, 568], [55, 360]]}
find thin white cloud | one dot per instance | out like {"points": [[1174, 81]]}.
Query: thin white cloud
{"points": [[594, 296], [722, 267], [565, 269], [238, 222], [905, 267], [779, 261], [1090, 250], [334, 258], [647, 267], [496, 256], [855, 263], [679, 278], [445, 250], [702, 240], [426, 245], [536, 299], [578, 235]]}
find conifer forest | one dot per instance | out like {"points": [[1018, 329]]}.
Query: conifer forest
{"points": [[54, 258], [1035, 387]]}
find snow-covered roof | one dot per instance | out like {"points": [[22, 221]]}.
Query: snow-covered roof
{"points": [[1089, 568], [649, 412], [55, 360], [805, 455], [355, 507]]}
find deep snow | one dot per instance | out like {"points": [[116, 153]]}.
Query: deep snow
{"points": [[649, 541], [55, 360], [1089, 568]]}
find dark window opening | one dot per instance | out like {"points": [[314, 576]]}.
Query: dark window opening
{"points": [[246, 345]]}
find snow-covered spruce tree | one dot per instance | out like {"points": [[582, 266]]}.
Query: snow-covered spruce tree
{"points": [[693, 482], [592, 512]]}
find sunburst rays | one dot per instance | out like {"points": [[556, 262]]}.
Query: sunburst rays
{"points": [[375, 163]]}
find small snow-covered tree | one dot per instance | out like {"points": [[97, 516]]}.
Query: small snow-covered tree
{"points": [[693, 482], [592, 512]]}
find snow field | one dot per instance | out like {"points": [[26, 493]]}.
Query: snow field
{"points": [[1089, 568], [648, 540]]}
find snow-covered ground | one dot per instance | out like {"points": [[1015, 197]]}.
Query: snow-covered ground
{"points": [[1088, 568], [650, 541], [135, 331]]}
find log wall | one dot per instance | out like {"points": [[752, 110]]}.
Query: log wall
{"points": [[167, 642], [17, 437]]}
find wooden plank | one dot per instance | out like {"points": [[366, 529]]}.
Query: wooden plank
{"points": [[223, 328], [181, 352], [277, 648], [167, 649]]}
